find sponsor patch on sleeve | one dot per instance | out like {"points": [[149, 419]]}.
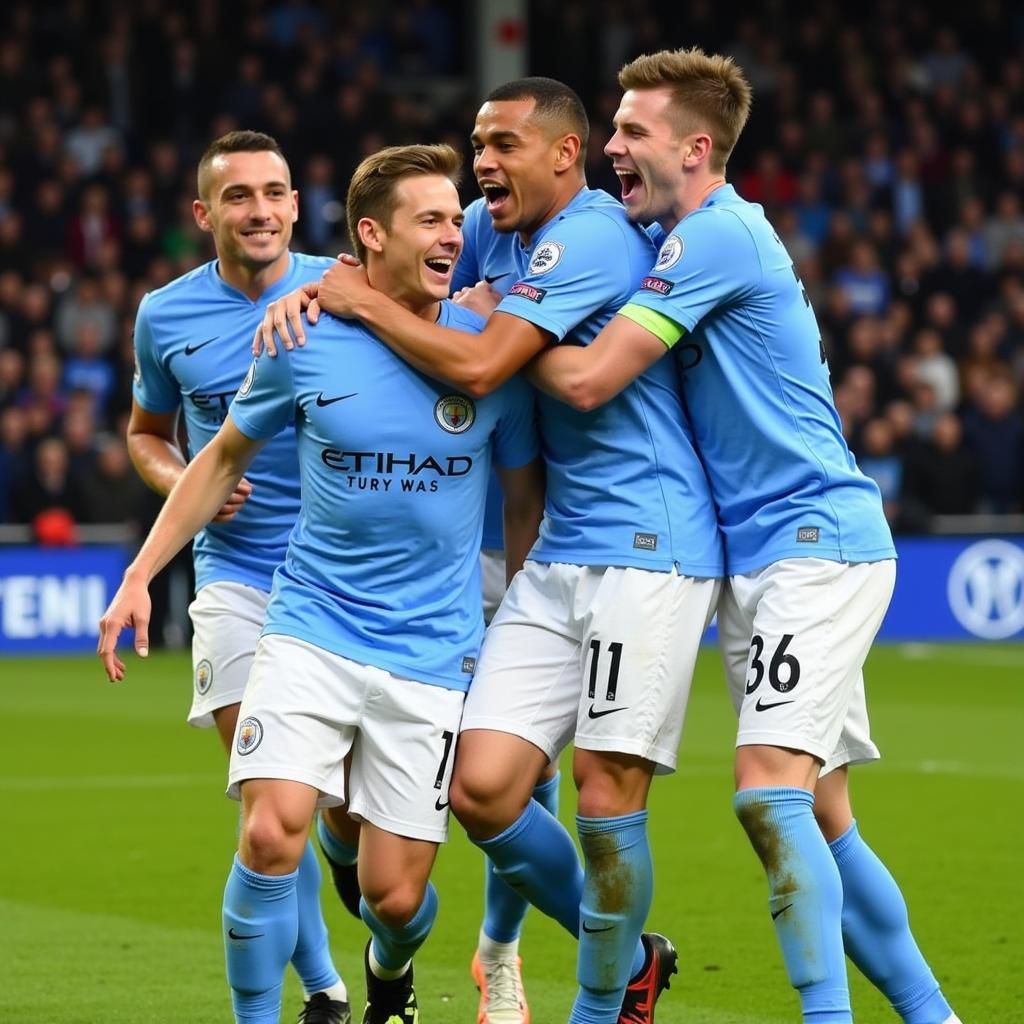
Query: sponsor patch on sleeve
{"points": [[656, 284], [527, 291]]}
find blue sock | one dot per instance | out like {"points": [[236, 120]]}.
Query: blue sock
{"points": [[877, 934], [260, 925], [536, 856], [504, 908], [395, 947], [805, 896], [335, 849], [312, 956], [617, 888]]}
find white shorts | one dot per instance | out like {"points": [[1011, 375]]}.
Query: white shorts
{"points": [[305, 708], [226, 620], [492, 580], [597, 654], [794, 637]]}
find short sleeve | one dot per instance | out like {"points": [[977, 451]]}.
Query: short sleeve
{"points": [[153, 386], [574, 271], [709, 260], [264, 405], [515, 437]]}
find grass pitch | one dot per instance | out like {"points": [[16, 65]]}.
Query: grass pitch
{"points": [[116, 839]]}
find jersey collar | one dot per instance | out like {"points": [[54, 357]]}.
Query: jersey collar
{"points": [[580, 199], [283, 285]]}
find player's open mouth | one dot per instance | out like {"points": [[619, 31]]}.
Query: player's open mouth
{"points": [[263, 235], [495, 195], [630, 181], [441, 265]]}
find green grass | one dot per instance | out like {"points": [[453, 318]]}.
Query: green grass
{"points": [[115, 839]]}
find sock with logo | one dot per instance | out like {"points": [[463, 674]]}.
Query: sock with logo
{"points": [[260, 926], [393, 948], [536, 856], [504, 908], [805, 896], [876, 931], [312, 956], [617, 889], [335, 849]]}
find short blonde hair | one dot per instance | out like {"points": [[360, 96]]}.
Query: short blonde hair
{"points": [[709, 93], [371, 192]]}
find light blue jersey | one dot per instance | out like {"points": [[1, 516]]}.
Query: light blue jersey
{"points": [[486, 255], [757, 390], [383, 565], [615, 496], [193, 345]]}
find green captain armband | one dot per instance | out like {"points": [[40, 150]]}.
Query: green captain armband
{"points": [[662, 327]]}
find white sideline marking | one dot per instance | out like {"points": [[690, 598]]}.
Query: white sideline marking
{"points": [[1001, 656], [112, 782]]}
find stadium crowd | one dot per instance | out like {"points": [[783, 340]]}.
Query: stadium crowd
{"points": [[888, 151]]}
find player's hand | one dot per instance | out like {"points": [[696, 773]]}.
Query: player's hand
{"points": [[283, 320], [342, 288], [481, 298], [130, 608], [238, 498]]}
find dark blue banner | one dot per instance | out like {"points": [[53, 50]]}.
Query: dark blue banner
{"points": [[51, 599]]}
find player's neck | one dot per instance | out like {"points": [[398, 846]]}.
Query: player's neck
{"points": [[692, 194], [253, 281], [569, 188], [426, 307]]}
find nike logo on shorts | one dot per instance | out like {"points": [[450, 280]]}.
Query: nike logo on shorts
{"points": [[439, 806], [591, 713], [761, 706], [321, 401]]}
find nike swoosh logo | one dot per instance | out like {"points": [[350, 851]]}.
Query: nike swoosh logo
{"points": [[591, 713], [232, 934], [321, 401], [594, 931], [439, 806], [761, 706], [775, 913], [190, 349], [497, 277]]}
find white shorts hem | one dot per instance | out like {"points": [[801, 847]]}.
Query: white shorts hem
{"points": [[201, 714], [534, 736], [665, 761], [404, 829], [283, 773]]}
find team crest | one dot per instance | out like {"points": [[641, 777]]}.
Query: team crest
{"points": [[670, 253], [250, 734], [546, 256], [204, 677], [455, 413], [249, 378]]}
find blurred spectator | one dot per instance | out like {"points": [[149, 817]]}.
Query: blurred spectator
{"points": [[90, 228], [935, 367], [14, 458], [86, 369], [880, 461], [48, 484], [945, 480], [88, 140], [111, 492], [85, 306], [994, 433], [866, 285]]}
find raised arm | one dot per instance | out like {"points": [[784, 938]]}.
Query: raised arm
{"points": [[586, 377], [202, 488]]}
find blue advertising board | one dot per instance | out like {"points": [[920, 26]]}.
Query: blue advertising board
{"points": [[51, 599], [947, 588]]}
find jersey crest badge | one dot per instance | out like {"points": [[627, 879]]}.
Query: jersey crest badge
{"points": [[250, 735], [670, 254], [545, 257], [204, 677], [249, 378], [455, 414]]}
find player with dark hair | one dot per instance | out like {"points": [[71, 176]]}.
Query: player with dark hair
{"points": [[191, 352], [374, 625], [810, 556], [596, 639]]}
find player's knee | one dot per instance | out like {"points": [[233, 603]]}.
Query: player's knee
{"points": [[483, 804], [608, 789], [393, 903], [269, 844]]}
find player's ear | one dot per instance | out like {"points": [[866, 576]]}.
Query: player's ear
{"points": [[201, 214], [697, 149], [567, 152], [371, 234]]}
